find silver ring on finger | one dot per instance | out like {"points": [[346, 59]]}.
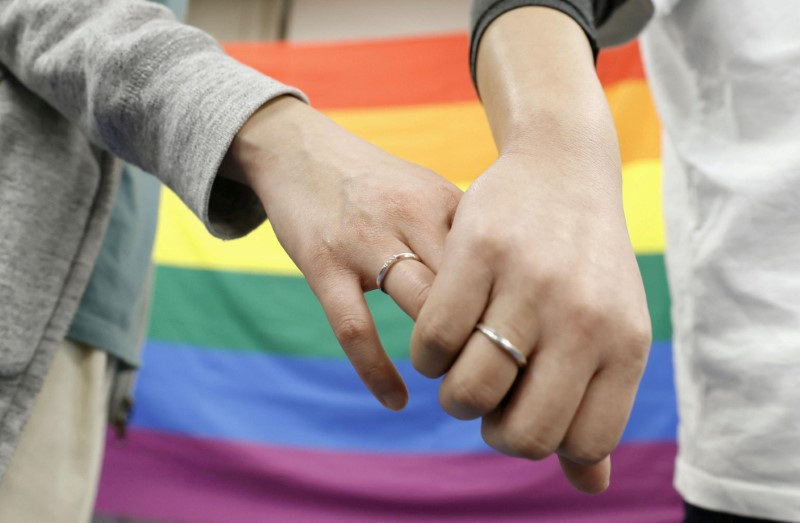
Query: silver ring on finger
{"points": [[503, 343], [388, 264]]}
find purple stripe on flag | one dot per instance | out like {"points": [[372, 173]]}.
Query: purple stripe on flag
{"points": [[178, 478]]}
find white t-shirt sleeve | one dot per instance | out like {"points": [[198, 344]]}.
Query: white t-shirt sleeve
{"points": [[663, 7]]}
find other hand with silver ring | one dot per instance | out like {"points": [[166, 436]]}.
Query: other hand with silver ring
{"points": [[388, 264], [503, 343], [539, 250]]}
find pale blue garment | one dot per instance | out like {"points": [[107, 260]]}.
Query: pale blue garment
{"points": [[113, 310]]}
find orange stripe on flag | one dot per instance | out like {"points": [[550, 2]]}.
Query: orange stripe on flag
{"points": [[636, 119]]}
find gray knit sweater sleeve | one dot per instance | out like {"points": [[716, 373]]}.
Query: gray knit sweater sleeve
{"points": [[153, 91]]}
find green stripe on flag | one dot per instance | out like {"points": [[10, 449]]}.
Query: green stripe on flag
{"points": [[257, 312], [655, 285], [280, 314]]}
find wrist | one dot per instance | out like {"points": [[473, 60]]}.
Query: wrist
{"points": [[265, 140], [581, 126], [537, 81]]}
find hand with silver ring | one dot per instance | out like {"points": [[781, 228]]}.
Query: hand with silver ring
{"points": [[501, 341], [340, 206], [388, 264], [537, 283], [539, 251]]}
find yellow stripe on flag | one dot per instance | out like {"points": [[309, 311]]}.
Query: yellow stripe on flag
{"points": [[453, 140], [183, 241], [641, 192]]}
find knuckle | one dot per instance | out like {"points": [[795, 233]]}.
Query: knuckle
{"points": [[324, 256], [588, 319], [544, 276], [351, 329], [529, 444], [466, 397], [435, 343], [485, 242], [371, 373], [627, 340], [421, 295], [321, 253], [588, 453], [635, 347], [638, 338], [401, 206], [450, 196], [433, 336]]}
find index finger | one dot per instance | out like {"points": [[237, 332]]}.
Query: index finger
{"points": [[347, 312], [455, 303]]}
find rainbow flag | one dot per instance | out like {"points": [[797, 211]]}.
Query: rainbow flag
{"points": [[247, 410]]}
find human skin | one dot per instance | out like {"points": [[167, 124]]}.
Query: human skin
{"points": [[539, 250], [340, 207]]}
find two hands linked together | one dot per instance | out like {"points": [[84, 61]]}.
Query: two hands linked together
{"points": [[537, 249]]}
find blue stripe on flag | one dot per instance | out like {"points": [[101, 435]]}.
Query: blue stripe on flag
{"points": [[320, 403]]}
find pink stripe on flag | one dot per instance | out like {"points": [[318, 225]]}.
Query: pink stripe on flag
{"points": [[163, 476]]}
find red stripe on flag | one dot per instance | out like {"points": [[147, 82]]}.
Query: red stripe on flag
{"points": [[619, 64], [408, 71], [382, 73]]}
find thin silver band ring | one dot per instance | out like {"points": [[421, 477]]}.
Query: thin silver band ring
{"points": [[503, 343], [388, 265]]}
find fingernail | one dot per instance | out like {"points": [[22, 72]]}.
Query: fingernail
{"points": [[394, 400]]}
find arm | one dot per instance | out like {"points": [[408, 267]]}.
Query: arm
{"points": [[155, 92], [164, 96], [341, 207], [539, 251]]}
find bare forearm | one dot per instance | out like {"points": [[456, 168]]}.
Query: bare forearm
{"points": [[547, 219], [536, 76]]}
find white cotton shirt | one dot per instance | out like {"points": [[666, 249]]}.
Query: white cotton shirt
{"points": [[725, 76]]}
